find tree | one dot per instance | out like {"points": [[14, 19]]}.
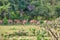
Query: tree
{"points": [[18, 9]]}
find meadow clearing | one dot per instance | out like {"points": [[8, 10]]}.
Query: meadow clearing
{"points": [[6, 30], [21, 32]]}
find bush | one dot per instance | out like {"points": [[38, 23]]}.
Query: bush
{"points": [[5, 20], [41, 21]]}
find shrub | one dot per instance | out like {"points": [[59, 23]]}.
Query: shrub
{"points": [[5, 20], [41, 21]]}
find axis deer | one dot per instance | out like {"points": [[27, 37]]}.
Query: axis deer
{"points": [[10, 21], [1, 21], [33, 21], [17, 21], [24, 21]]}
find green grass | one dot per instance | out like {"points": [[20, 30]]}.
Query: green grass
{"points": [[13, 28], [6, 30], [10, 29]]}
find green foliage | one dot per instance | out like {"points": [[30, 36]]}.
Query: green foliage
{"points": [[5, 21], [30, 9], [41, 35], [33, 30], [57, 9], [41, 21]]}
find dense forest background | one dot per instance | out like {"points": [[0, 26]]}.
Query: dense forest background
{"points": [[29, 9]]}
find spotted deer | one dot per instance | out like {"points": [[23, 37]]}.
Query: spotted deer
{"points": [[1, 21], [17, 21], [24, 21], [10, 21], [33, 21]]}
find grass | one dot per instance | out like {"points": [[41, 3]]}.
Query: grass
{"points": [[11, 29], [14, 28]]}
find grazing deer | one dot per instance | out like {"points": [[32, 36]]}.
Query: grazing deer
{"points": [[1, 21], [16, 21], [33, 21], [24, 21], [10, 21]]}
